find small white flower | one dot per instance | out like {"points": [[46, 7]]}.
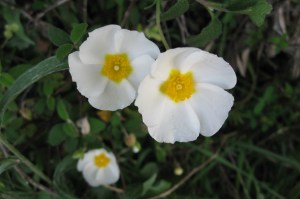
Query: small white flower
{"points": [[184, 95], [110, 65], [99, 167]]}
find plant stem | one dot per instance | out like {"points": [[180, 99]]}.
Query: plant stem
{"points": [[23, 159], [163, 39]]}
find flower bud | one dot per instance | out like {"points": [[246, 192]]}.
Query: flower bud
{"points": [[130, 140]]}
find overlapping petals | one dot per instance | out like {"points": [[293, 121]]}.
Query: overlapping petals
{"points": [[130, 51], [202, 106], [99, 167]]}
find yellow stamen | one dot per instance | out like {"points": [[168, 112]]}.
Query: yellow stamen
{"points": [[178, 87], [101, 160], [116, 67]]}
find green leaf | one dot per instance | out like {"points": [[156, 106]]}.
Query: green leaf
{"points": [[70, 129], [180, 7], [63, 51], [259, 11], [56, 135], [58, 36], [51, 103], [7, 163], [78, 31], [39, 71], [212, 31], [96, 125], [6, 79], [12, 17], [148, 184], [62, 110]]}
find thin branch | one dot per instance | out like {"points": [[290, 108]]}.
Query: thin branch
{"points": [[26, 177], [127, 13], [115, 189], [186, 178], [163, 39], [23, 159], [84, 10], [57, 4]]}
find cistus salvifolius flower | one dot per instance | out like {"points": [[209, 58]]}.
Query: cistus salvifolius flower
{"points": [[110, 65], [99, 167], [184, 96]]}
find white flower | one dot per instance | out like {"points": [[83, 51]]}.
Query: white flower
{"points": [[99, 167], [184, 95], [110, 65]]}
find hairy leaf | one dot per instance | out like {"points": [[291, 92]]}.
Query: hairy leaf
{"points": [[57, 36], [63, 51], [78, 31], [212, 31], [180, 7], [259, 11]]}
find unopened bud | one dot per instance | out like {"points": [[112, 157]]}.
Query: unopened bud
{"points": [[104, 115], [136, 148], [130, 140], [7, 34], [178, 171]]}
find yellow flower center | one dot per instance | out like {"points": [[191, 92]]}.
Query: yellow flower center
{"points": [[116, 67], [178, 87], [101, 160]]}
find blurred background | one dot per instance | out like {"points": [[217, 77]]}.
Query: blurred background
{"points": [[256, 153]]}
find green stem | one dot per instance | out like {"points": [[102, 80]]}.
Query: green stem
{"points": [[23, 159], [163, 39]]}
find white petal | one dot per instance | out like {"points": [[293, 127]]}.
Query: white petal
{"points": [[178, 123], [211, 105], [89, 173], [115, 96], [173, 58], [141, 67], [99, 43], [87, 77], [209, 68], [88, 157], [108, 175], [135, 44], [150, 101]]}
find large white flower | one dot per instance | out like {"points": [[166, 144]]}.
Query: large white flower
{"points": [[110, 65], [184, 95], [99, 167]]}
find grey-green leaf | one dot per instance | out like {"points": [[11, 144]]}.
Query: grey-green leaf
{"points": [[63, 51], [180, 7], [78, 31], [62, 110], [57, 36], [211, 32], [56, 135], [70, 129], [7, 163], [39, 71], [259, 11]]}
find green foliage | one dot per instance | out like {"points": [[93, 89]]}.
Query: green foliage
{"points": [[57, 36], [259, 11], [180, 7], [63, 51], [56, 135], [42, 69], [78, 32], [254, 154], [15, 28], [211, 32], [8, 163]]}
